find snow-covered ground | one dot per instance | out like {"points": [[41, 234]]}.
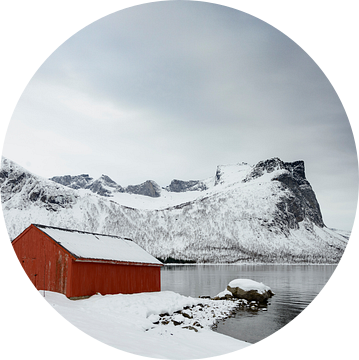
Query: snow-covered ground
{"points": [[128, 323], [166, 200]]}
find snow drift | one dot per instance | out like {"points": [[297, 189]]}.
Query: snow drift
{"points": [[126, 323]]}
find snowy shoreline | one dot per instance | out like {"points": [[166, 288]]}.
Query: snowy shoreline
{"points": [[248, 263], [160, 324]]}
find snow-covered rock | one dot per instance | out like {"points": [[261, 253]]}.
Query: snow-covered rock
{"points": [[263, 213], [225, 294], [250, 290]]}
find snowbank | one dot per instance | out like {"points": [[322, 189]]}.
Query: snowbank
{"points": [[126, 322]]}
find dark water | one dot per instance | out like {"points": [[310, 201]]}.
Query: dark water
{"points": [[295, 286]]}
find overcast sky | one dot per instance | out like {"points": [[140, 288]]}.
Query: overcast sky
{"points": [[173, 89]]}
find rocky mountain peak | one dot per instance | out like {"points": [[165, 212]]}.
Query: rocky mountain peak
{"points": [[107, 180], [296, 169], [74, 182], [84, 181], [148, 188], [105, 186], [301, 203], [190, 185]]}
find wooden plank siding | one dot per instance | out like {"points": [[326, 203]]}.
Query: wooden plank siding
{"points": [[108, 278], [47, 265], [51, 267]]}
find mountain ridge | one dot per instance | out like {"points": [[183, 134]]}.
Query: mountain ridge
{"points": [[262, 213], [105, 186]]}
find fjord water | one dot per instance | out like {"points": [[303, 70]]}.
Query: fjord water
{"points": [[295, 286]]}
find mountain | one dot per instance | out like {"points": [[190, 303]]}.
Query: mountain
{"points": [[183, 186], [262, 213], [105, 186]]}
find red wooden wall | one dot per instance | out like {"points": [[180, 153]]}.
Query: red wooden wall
{"points": [[46, 264], [51, 267], [89, 278]]}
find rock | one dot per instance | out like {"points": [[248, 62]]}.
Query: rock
{"points": [[154, 318], [250, 290], [148, 188], [176, 323], [103, 186], [196, 323], [183, 186], [178, 319], [302, 203], [187, 315], [224, 295], [190, 328], [74, 182]]}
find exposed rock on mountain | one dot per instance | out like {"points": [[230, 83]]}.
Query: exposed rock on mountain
{"points": [[74, 182], [182, 186], [105, 186], [302, 202], [262, 213], [148, 188]]}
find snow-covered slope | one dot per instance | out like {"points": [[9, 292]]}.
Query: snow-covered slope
{"points": [[267, 212]]}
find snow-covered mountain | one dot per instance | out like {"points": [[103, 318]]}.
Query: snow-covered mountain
{"points": [[267, 212], [105, 186]]}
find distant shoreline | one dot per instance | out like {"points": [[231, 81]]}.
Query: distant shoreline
{"points": [[247, 263]]}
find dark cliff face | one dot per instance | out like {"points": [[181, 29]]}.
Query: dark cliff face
{"points": [[148, 188], [301, 202], [84, 181], [105, 186], [100, 186], [296, 169], [182, 186], [13, 180], [74, 182]]}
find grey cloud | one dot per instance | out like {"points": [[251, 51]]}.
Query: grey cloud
{"points": [[176, 88]]}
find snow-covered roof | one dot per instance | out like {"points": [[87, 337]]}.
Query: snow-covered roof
{"points": [[86, 245]]}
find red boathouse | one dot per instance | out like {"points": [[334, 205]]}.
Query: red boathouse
{"points": [[77, 263]]}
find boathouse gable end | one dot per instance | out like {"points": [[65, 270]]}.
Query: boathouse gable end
{"points": [[47, 264]]}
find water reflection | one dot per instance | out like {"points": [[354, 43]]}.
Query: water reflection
{"points": [[295, 287]]}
